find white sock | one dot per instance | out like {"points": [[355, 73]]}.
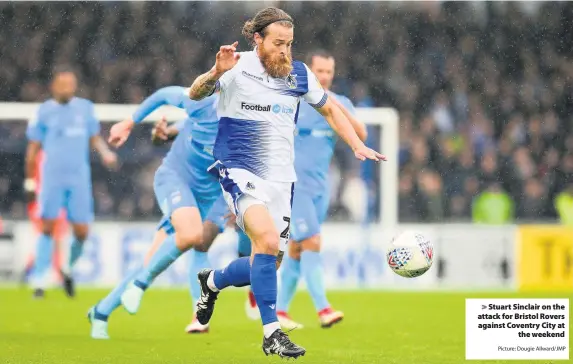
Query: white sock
{"points": [[211, 282], [269, 329]]}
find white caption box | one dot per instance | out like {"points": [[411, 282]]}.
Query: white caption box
{"points": [[517, 329]]}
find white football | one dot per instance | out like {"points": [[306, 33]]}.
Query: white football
{"points": [[410, 254]]}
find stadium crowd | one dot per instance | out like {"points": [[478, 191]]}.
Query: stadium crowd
{"points": [[484, 97]]}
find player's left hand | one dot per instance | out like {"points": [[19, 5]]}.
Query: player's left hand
{"points": [[109, 159], [119, 132], [363, 153]]}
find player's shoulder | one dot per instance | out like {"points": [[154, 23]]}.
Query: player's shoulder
{"points": [[299, 68], [343, 99]]}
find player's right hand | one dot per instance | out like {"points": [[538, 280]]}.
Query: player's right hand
{"points": [[29, 190], [227, 58], [119, 132]]}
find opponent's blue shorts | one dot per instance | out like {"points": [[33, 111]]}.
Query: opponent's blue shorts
{"points": [[309, 211], [172, 192], [75, 197]]}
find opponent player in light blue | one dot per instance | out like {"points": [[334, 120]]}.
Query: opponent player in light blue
{"points": [[66, 129], [184, 191], [314, 146]]}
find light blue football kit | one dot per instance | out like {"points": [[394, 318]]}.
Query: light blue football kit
{"points": [[182, 180], [64, 132]]}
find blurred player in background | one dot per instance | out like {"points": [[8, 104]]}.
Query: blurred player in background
{"points": [[60, 228], [314, 146], [184, 191], [66, 129], [260, 95]]}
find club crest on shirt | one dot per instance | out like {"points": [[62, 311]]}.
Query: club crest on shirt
{"points": [[290, 81]]}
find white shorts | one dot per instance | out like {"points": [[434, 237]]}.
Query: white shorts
{"points": [[243, 189]]}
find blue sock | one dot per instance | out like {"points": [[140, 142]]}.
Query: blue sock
{"points": [[237, 273], [197, 261], [76, 249], [264, 286], [290, 273], [159, 262], [43, 260], [105, 307], [311, 269]]}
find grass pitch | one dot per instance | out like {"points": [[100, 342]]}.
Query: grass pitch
{"points": [[379, 327]]}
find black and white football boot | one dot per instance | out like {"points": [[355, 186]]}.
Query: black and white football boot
{"points": [[279, 344], [206, 303]]}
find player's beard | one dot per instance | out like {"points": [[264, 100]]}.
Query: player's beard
{"points": [[276, 66]]}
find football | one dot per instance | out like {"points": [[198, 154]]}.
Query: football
{"points": [[410, 254]]}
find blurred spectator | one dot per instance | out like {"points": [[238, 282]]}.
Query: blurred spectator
{"points": [[564, 205], [493, 206]]}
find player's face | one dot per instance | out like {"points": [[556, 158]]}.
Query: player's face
{"points": [[323, 68], [64, 86], [275, 50]]}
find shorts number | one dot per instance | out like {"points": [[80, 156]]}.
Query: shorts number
{"points": [[286, 232]]}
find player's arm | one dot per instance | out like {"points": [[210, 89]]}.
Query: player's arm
{"points": [[319, 99], [108, 158], [35, 133], [344, 128], [207, 83], [32, 152], [357, 125], [171, 95]]}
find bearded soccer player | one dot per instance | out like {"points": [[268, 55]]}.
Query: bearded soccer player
{"points": [[66, 129], [261, 92], [314, 144]]}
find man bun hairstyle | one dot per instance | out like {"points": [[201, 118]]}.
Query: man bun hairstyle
{"points": [[262, 20]]}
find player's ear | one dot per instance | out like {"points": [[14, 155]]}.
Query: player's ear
{"points": [[258, 39]]}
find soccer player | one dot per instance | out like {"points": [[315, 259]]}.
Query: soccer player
{"points": [[66, 129], [184, 191], [258, 108], [314, 145]]}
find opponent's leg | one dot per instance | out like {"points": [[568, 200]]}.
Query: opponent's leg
{"points": [[186, 222], [80, 234], [99, 314], [43, 258], [312, 270], [290, 274]]}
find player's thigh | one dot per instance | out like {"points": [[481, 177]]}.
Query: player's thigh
{"points": [[217, 214], [50, 201], [305, 220], [79, 204]]}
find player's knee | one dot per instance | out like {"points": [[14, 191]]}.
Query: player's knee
{"points": [[267, 242], [311, 244], [210, 233], [189, 238], [81, 232], [294, 250]]}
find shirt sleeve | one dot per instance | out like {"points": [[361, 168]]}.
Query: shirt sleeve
{"points": [[315, 96], [171, 95], [93, 124], [36, 131]]}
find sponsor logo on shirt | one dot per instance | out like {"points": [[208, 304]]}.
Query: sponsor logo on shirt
{"points": [[255, 107], [247, 74], [277, 109]]}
